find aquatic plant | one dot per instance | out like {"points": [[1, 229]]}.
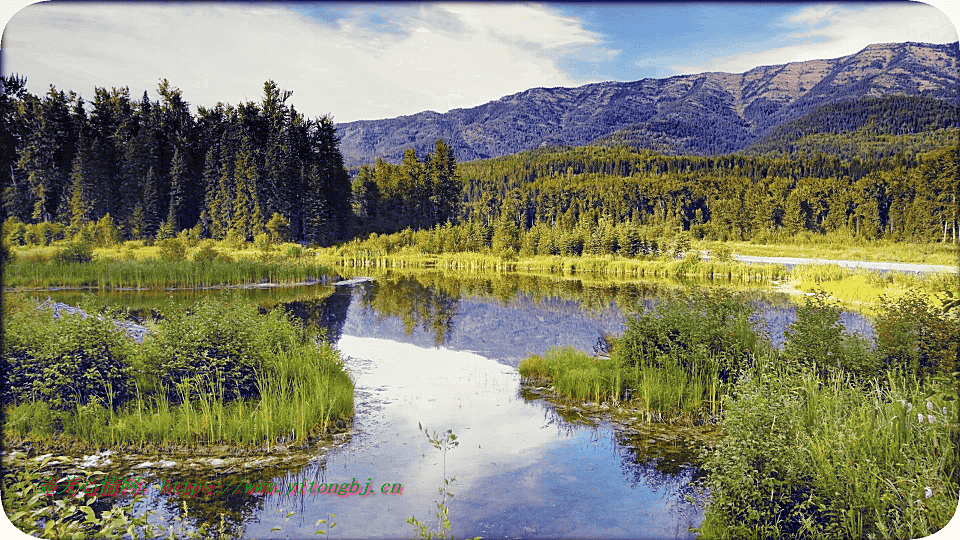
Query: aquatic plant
{"points": [[444, 443]]}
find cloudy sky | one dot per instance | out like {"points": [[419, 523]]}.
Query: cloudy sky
{"points": [[367, 60]]}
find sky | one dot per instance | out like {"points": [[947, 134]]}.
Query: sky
{"points": [[368, 61]]}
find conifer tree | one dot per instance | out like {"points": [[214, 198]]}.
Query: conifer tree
{"points": [[151, 204], [178, 171]]}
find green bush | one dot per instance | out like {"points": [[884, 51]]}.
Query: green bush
{"points": [[757, 474], [217, 344], [817, 339], [722, 253], [172, 249], [13, 231], [710, 328], [914, 336], [74, 252], [67, 362], [206, 253]]}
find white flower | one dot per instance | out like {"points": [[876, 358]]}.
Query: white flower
{"points": [[920, 418], [944, 411], [932, 419], [927, 492], [930, 406], [909, 407]]}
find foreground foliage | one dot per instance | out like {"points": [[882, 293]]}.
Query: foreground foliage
{"points": [[218, 372], [830, 437]]}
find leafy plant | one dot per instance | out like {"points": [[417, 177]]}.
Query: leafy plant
{"points": [[444, 443], [74, 252]]}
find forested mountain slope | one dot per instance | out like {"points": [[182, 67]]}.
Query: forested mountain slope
{"points": [[706, 113]]}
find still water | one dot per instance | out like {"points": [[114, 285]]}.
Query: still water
{"points": [[440, 352]]}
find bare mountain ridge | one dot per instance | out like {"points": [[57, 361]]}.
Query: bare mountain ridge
{"points": [[706, 113]]}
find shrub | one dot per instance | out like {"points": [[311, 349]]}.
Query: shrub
{"points": [[74, 252], [710, 327], [914, 336], [758, 475], [206, 253], [107, 233], [13, 231], [262, 242], [278, 227], [215, 343], [723, 253], [818, 340], [32, 235], [172, 249], [68, 362]]}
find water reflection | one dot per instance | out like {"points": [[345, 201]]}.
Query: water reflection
{"points": [[441, 350]]}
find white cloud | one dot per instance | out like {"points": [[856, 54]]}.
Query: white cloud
{"points": [[373, 62], [832, 31]]}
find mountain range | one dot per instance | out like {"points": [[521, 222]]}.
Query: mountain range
{"points": [[700, 114]]}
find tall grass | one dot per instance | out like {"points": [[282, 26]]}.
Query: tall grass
{"points": [[805, 457], [182, 399], [607, 266], [158, 273]]}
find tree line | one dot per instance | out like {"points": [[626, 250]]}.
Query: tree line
{"points": [[153, 168]]}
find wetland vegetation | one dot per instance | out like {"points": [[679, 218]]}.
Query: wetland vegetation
{"points": [[832, 436], [217, 372]]}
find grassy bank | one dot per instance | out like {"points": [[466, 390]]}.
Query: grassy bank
{"points": [[832, 436], [604, 266], [217, 372], [172, 263]]}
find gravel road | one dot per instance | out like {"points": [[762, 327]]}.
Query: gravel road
{"points": [[870, 265]]}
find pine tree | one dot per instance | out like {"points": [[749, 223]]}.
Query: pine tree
{"points": [[151, 205], [81, 201], [178, 171], [247, 219]]}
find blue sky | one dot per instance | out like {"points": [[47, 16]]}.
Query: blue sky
{"points": [[367, 60]]}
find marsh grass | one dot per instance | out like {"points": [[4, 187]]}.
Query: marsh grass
{"points": [[157, 273], [607, 266], [300, 388], [863, 289], [841, 459]]}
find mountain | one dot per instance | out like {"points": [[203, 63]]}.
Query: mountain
{"points": [[706, 113]]}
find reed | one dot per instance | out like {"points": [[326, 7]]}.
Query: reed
{"points": [[158, 273]]}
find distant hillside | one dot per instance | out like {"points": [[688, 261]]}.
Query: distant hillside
{"points": [[707, 113]]}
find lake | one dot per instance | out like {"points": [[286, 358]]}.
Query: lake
{"points": [[441, 351]]}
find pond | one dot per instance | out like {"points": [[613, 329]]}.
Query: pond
{"points": [[441, 351]]}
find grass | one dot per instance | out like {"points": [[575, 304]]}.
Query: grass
{"points": [[857, 442], [180, 384], [842, 247], [861, 289], [131, 264], [840, 458], [157, 273], [608, 266]]}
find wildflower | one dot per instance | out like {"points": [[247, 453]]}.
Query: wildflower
{"points": [[932, 419], [909, 407], [930, 406], [927, 492], [919, 418], [944, 411]]}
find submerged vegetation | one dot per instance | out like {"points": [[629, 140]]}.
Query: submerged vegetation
{"points": [[216, 373], [832, 436]]}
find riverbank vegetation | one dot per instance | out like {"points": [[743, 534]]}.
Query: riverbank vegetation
{"points": [[832, 436], [217, 372]]}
